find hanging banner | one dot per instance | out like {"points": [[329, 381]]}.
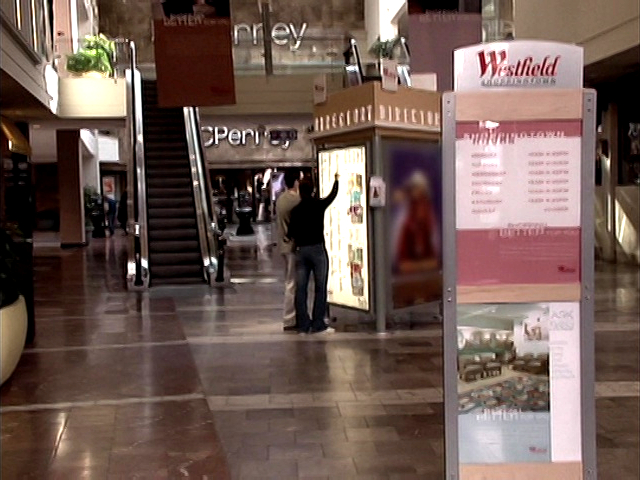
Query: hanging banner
{"points": [[434, 36], [518, 64], [194, 62]]}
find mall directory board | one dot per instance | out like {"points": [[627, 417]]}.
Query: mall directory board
{"points": [[346, 226], [518, 283]]}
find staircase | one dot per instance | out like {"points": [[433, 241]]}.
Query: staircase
{"points": [[174, 250]]}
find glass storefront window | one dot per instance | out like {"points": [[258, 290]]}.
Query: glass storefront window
{"points": [[497, 20]]}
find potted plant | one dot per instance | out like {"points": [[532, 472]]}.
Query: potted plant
{"points": [[381, 49], [94, 58], [13, 309]]}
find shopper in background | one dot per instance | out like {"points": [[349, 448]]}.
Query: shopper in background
{"points": [[306, 230], [284, 205], [112, 207], [123, 213]]}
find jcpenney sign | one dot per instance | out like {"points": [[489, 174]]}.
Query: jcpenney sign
{"points": [[248, 137], [518, 64]]}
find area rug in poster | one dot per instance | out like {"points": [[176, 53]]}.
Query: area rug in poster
{"points": [[519, 383]]}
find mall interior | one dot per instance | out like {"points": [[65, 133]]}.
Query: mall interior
{"points": [[142, 283]]}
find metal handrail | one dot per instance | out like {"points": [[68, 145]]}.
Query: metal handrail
{"points": [[205, 214], [138, 257]]}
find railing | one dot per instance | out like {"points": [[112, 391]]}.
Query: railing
{"points": [[208, 232], [138, 258]]}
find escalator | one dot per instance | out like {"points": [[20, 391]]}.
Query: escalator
{"points": [[173, 239]]}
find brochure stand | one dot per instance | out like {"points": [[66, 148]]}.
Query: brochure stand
{"points": [[518, 283], [383, 231]]}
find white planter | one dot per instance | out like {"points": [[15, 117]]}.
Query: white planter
{"points": [[13, 332]]}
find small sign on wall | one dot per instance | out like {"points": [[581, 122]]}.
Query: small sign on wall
{"points": [[319, 89], [389, 72], [377, 192]]}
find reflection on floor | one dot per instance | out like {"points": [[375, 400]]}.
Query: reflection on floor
{"points": [[201, 383]]}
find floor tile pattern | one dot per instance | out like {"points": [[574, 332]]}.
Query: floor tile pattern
{"points": [[202, 383]]}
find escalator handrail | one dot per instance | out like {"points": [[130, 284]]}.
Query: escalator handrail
{"points": [[138, 258], [204, 214]]}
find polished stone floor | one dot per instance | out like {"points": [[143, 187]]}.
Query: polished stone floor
{"points": [[202, 383]]}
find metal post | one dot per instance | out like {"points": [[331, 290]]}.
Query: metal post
{"points": [[265, 10], [379, 253]]}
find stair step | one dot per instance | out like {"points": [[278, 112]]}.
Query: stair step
{"points": [[169, 182], [155, 172], [177, 246], [176, 271], [177, 164], [170, 202], [165, 154], [171, 212], [170, 259], [157, 282], [153, 148], [175, 234], [166, 192], [172, 223]]}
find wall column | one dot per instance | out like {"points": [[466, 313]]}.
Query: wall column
{"points": [[70, 181]]}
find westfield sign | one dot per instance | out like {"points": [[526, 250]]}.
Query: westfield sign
{"points": [[497, 70], [518, 64]]}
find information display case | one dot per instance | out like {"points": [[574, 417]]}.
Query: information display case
{"points": [[518, 270], [385, 255]]}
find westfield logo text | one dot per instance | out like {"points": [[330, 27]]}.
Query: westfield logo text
{"points": [[496, 70]]}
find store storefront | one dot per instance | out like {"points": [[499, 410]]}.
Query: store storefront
{"points": [[245, 155]]}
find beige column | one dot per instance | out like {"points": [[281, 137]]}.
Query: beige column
{"points": [[72, 232]]}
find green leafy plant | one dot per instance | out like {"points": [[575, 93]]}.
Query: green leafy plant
{"points": [[9, 268], [95, 55], [383, 48]]}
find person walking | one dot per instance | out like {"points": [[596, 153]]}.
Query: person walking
{"points": [[284, 205], [306, 230]]}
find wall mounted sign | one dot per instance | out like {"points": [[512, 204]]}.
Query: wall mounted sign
{"points": [[281, 33], [249, 137], [518, 64]]}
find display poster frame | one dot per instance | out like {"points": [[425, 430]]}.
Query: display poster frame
{"points": [[526, 105], [366, 150]]}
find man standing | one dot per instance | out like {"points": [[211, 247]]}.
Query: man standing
{"points": [[307, 232], [284, 205]]}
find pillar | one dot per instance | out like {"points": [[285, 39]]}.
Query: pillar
{"points": [[70, 187]]}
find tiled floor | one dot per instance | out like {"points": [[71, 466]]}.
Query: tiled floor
{"points": [[202, 383]]}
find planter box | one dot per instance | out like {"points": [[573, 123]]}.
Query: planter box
{"points": [[13, 333], [85, 97]]}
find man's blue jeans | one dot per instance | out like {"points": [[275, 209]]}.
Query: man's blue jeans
{"points": [[311, 259]]}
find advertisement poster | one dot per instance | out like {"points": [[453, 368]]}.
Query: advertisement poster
{"points": [[415, 221], [519, 383], [518, 202], [345, 226], [194, 62], [109, 187]]}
